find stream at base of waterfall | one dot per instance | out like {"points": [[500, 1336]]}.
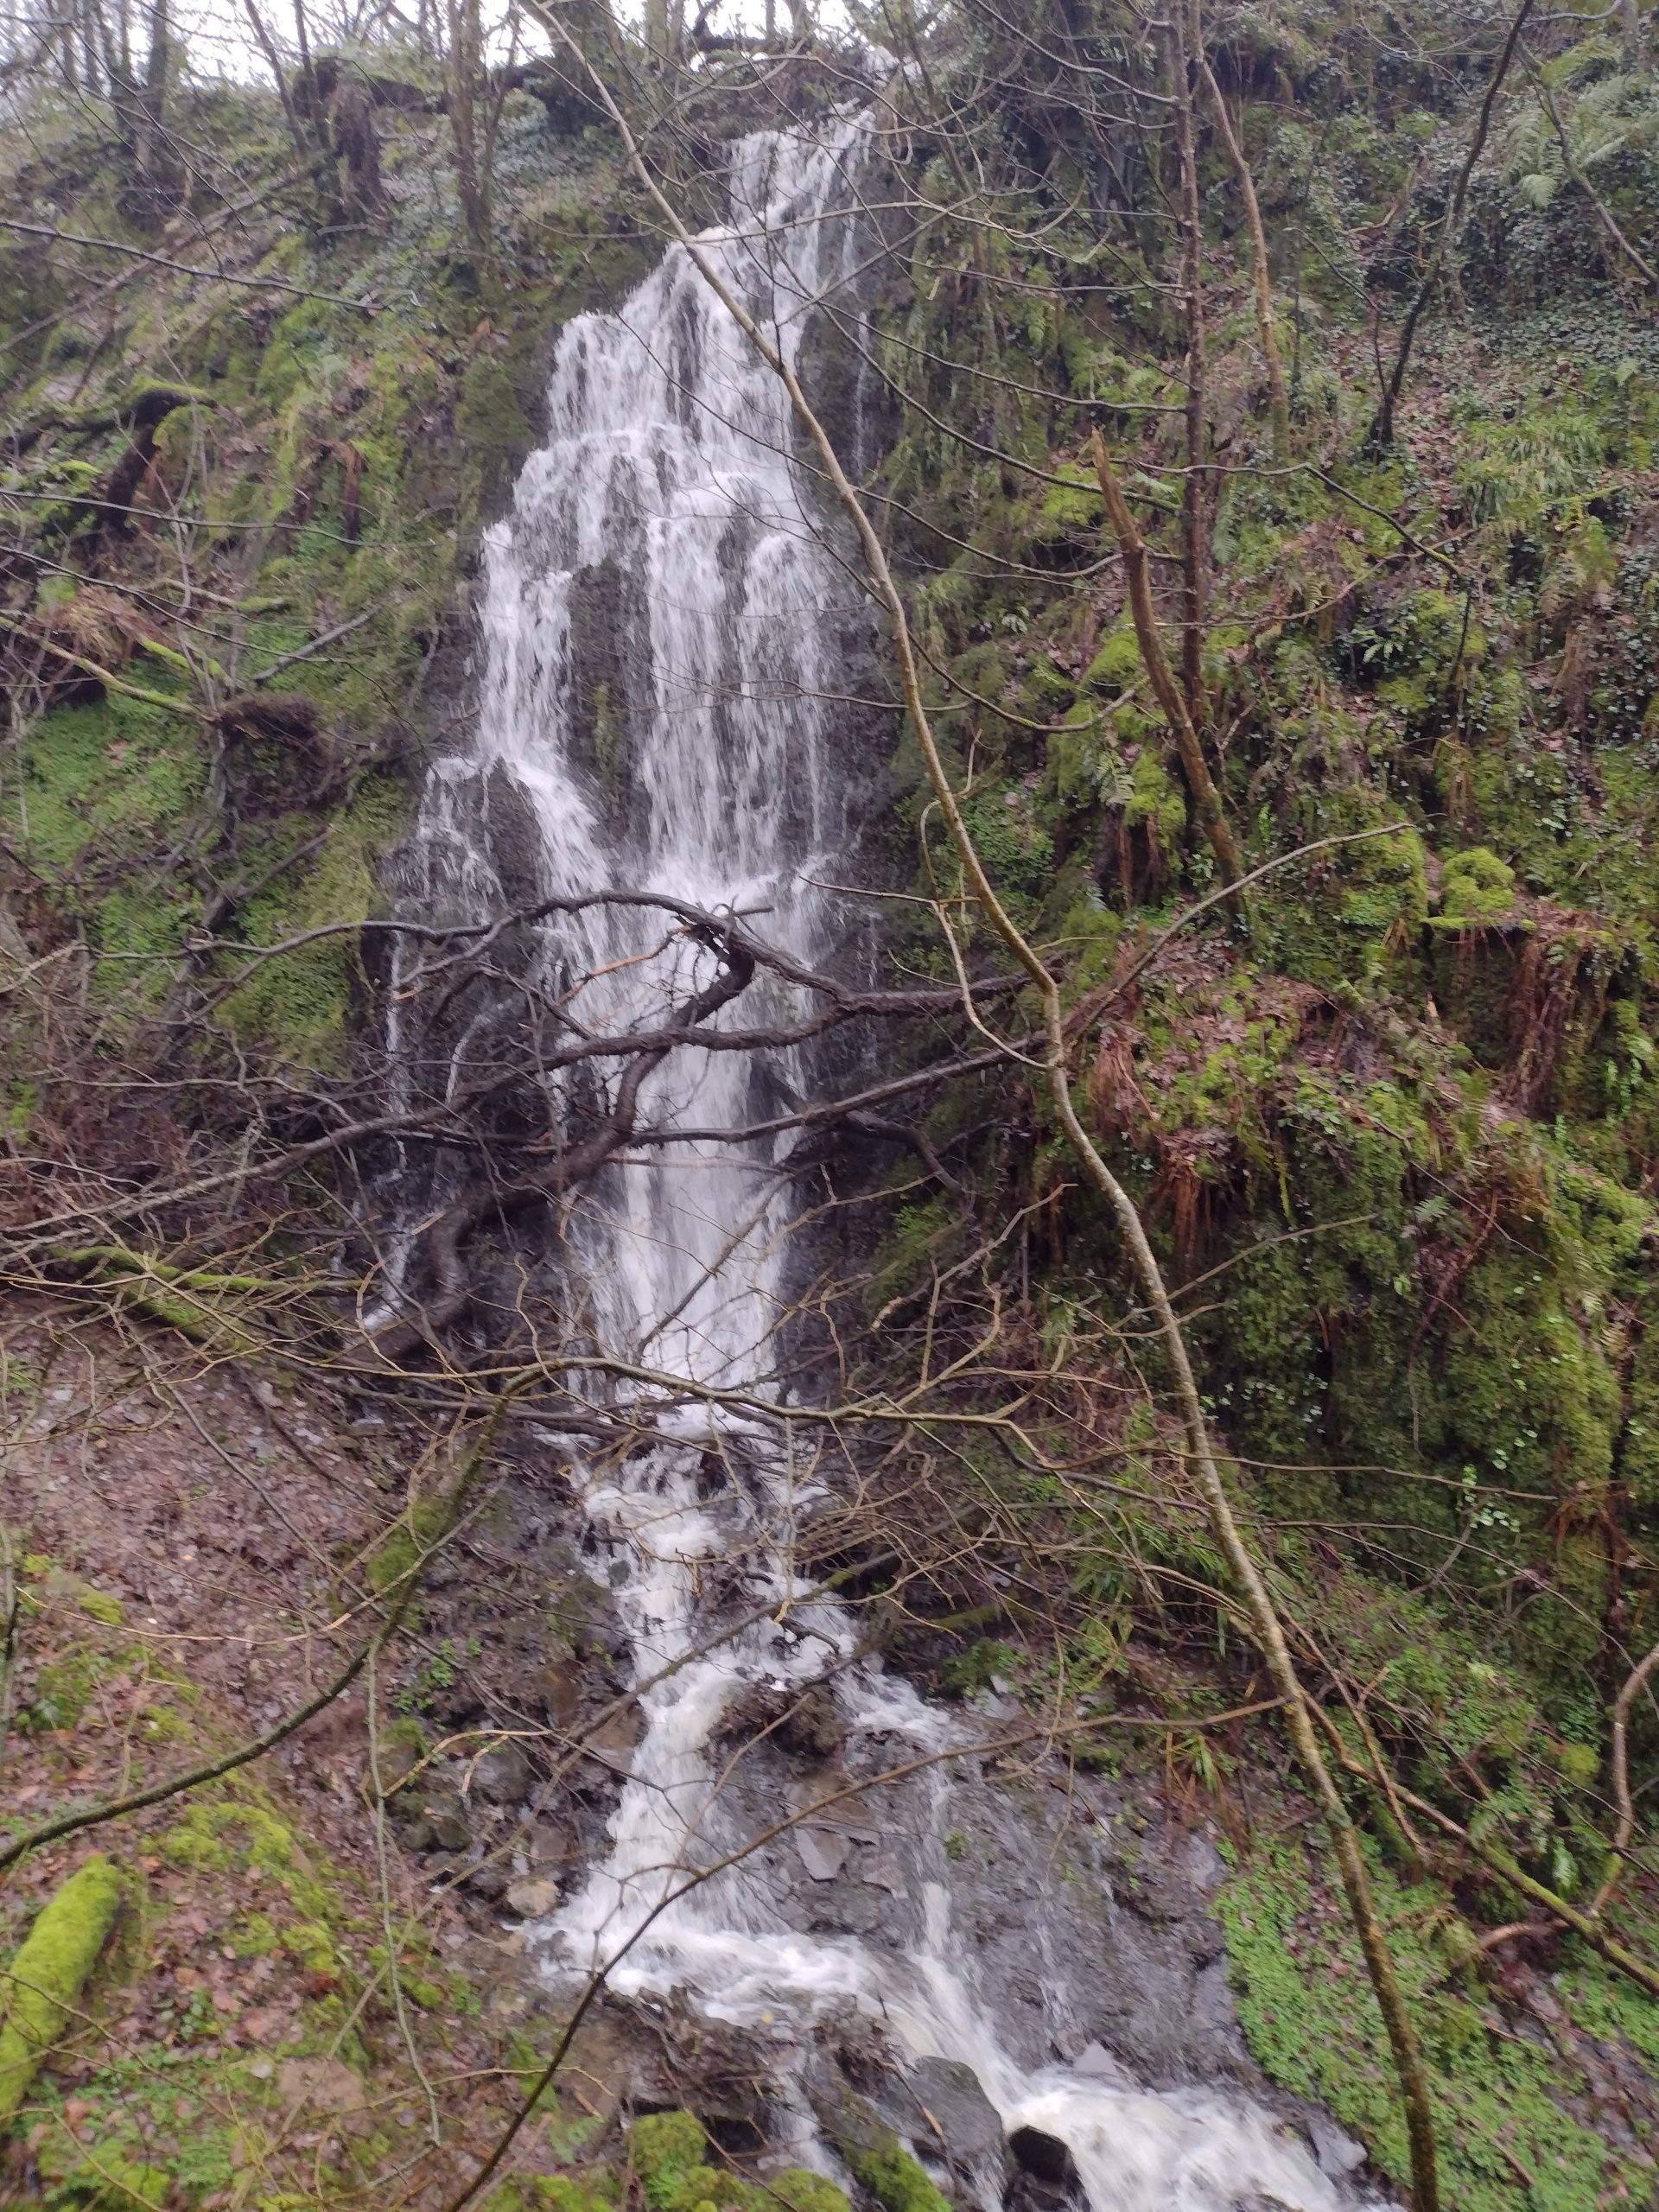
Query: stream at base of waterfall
{"points": [[669, 640]]}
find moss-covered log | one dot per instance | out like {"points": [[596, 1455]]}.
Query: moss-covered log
{"points": [[42, 1986]]}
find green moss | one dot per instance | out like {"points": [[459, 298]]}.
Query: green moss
{"points": [[576, 2193], [1478, 886], [491, 419], [803, 2191], [1156, 804], [879, 2160], [301, 1003], [895, 2179], [1117, 665], [116, 773], [312, 1947], [43, 1983], [1356, 915], [241, 1833], [63, 1688], [664, 2142], [401, 1553], [1503, 2103], [106, 2180], [1074, 503], [669, 2151], [255, 1936]]}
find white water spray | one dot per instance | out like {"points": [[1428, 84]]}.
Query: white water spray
{"points": [[664, 527]]}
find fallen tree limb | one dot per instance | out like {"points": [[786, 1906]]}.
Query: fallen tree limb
{"points": [[104, 676]]}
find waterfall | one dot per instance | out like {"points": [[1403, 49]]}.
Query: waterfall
{"points": [[668, 639]]}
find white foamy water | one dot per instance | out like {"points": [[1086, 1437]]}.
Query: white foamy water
{"points": [[663, 535]]}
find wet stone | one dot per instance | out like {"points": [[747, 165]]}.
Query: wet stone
{"points": [[445, 1818], [1095, 2063], [614, 1740], [824, 1853], [951, 2094], [547, 1846], [557, 1691], [1205, 1867], [533, 1896], [502, 1775], [1046, 2159], [882, 1871], [845, 1911], [397, 1761], [1338, 2154]]}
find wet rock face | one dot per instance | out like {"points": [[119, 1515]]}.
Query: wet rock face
{"points": [[530, 1652], [609, 687], [502, 1775], [1080, 1921], [946, 2097], [1091, 1922]]}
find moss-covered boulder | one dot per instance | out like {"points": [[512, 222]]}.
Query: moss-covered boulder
{"points": [[669, 2152], [879, 2160]]}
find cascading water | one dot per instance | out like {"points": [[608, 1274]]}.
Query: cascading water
{"points": [[667, 632]]}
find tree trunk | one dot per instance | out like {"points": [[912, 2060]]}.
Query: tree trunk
{"points": [[1186, 35], [465, 41], [1200, 785], [150, 119], [1264, 317], [1380, 436]]}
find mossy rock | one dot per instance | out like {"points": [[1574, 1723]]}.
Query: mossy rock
{"points": [[803, 2191], [879, 2161], [1073, 504], [669, 2152], [1117, 665], [1478, 886], [491, 419], [664, 2148], [1364, 918], [897, 2180]]}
